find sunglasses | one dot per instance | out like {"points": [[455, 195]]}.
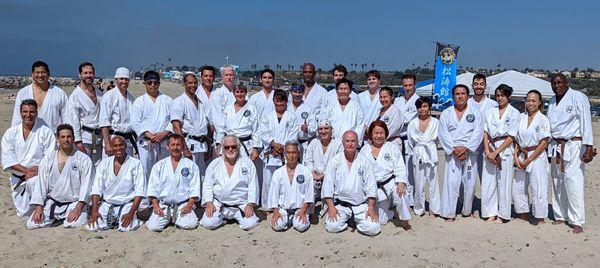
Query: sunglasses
{"points": [[230, 147], [153, 83]]}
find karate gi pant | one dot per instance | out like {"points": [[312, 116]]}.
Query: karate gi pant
{"points": [[364, 224], [22, 195], [290, 218], [228, 213], [455, 173], [496, 187], [426, 174], [96, 155], [267, 176], [110, 218], [567, 187], [149, 156], [198, 158], [408, 159], [388, 198], [172, 213], [54, 212], [537, 178]]}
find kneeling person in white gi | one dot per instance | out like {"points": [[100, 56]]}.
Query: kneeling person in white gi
{"points": [[173, 188], [350, 191], [62, 189], [230, 189], [291, 192], [117, 190]]}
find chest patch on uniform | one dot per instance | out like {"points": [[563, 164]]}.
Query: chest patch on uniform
{"points": [[569, 108], [385, 119], [470, 118], [507, 121], [304, 115], [247, 113], [300, 179], [244, 171], [74, 167], [185, 172], [387, 157]]}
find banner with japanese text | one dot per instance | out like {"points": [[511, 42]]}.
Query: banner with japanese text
{"points": [[445, 75]]}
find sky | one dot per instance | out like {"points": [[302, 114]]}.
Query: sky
{"points": [[390, 34]]}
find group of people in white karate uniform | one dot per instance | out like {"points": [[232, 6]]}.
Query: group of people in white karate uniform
{"points": [[108, 160]]}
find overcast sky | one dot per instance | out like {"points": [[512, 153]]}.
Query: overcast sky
{"points": [[390, 34]]}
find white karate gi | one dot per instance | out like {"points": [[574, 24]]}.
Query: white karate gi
{"points": [[230, 194], [153, 117], [52, 111], [351, 118], [115, 114], [332, 96], [408, 111], [278, 131], [389, 163], [60, 191], [221, 98], [454, 132], [423, 148], [28, 153], [243, 124], [568, 119], [85, 113], [289, 197], [369, 107], [208, 103], [350, 189], [263, 103], [394, 122], [194, 124], [316, 159], [304, 114], [483, 107], [536, 173], [316, 98], [173, 189], [117, 192], [496, 184]]}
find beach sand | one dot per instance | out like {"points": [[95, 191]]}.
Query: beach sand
{"points": [[432, 242]]}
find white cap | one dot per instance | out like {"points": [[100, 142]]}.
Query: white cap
{"points": [[122, 72], [324, 122]]}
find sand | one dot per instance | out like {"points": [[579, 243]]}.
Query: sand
{"points": [[432, 242]]}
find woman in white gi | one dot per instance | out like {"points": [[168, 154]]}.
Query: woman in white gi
{"points": [[241, 120], [63, 186], [173, 189], [500, 128], [460, 132], [390, 174], [531, 161], [319, 152], [422, 136], [117, 191], [230, 189], [350, 190], [291, 192], [345, 114], [189, 120], [276, 128], [150, 119], [389, 115]]}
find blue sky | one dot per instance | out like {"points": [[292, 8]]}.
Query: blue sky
{"points": [[390, 34]]}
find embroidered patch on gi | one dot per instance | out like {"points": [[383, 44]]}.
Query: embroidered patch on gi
{"points": [[300, 179], [361, 173], [244, 171], [185, 172], [387, 157], [74, 167], [385, 119], [304, 115], [247, 113], [470, 118], [507, 121], [537, 128]]}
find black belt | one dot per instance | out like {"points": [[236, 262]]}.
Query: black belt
{"points": [[383, 183], [346, 205], [97, 131], [202, 138], [232, 206], [57, 204], [21, 181], [128, 136], [110, 219], [302, 141]]}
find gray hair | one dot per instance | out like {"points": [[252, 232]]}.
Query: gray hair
{"points": [[227, 137], [292, 142], [225, 67]]}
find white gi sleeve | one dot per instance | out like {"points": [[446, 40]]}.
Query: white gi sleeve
{"points": [[195, 181], [265, 132], [154, 181], [256, 133], [477, 134], [360, 126], [309, 195], [253, 187], [63, 106], [369, 184], [99, 178], [328, 188], [105, 110], [139, 180], [73, 118], [274, 190], [136, 118], [207, 184], [50, 142], [9, 154], [85, 173], [309, 157], [399, 168], [444, 136], [585, 121], [16, 118], [40, 189]]}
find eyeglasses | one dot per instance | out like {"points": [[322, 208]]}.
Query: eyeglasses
{"points": [[230, 147], [153, 83]]}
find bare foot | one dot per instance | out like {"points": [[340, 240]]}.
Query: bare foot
{"points": [[577, 229], [522, 217], [557, 222], [449, 220], [405, 225], [490, 219], [431, 215], [537, 221]]}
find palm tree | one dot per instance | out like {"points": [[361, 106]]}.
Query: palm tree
{"points": [[373, 66]]}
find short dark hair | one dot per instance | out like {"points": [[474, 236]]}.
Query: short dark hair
{"points": [[40, 63], [539, 94], [378, 123], [188, 75], [208, 68], [267, 71], [175, 136], [85, 63], [63, 127], [554, 76], [28, 102], [151, 73], [344, 81], [458, 86], [388, 90], [340, 68], [279, 94], [421, 100], [374, 73], [479, 76], [505, 90], [409, 76]]}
